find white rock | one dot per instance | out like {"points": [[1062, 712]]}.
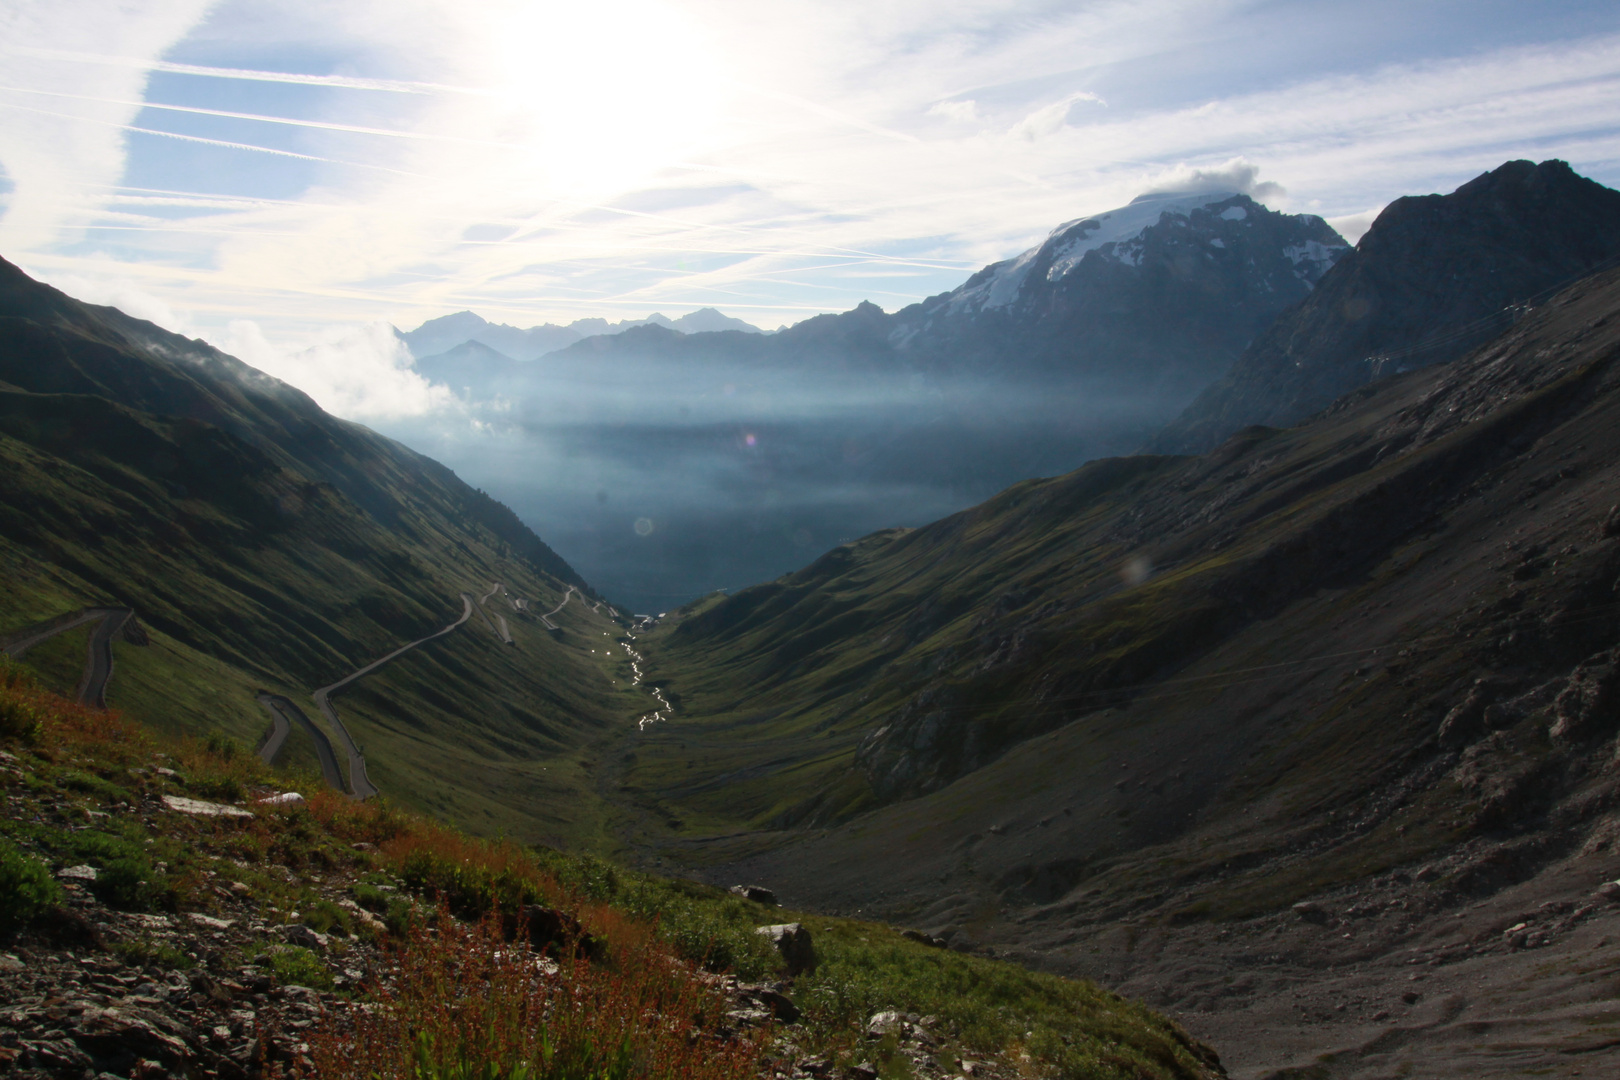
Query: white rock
{"points": [[77, 873], [204, 809]]}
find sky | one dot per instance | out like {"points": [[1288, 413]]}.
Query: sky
{"points": [[286, 179]]}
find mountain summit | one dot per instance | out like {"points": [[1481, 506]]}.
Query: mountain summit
{"points": [[1434, 277]]}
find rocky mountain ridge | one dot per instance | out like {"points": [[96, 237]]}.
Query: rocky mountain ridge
{"points": [[1433, 278]]}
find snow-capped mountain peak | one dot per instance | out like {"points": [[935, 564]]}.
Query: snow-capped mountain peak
{"points": [[1124, 236]]}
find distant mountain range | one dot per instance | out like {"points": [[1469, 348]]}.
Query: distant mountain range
{"points": [[749, 452], [1156, 297], [445, 333]]}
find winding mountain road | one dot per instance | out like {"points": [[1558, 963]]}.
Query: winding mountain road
{"points": [[98, 662], [283, 714], [546, 618], [360, 785], [503, 631]]}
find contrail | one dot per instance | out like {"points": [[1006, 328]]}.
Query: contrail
{"points": [[346, 82]]}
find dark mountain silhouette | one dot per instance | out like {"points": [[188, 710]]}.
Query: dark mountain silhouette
{"points": [[1434, 277]]}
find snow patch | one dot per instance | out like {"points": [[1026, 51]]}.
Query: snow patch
{"points": [[1069, 243], [1234, 213], [1312, 259], [1089, 234]]}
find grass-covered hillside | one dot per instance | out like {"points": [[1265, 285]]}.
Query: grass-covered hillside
{"points": [[265, 545], [160, 917], [1200, 687]]}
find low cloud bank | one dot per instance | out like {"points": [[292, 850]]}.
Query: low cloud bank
{"points": [[358, 372]]}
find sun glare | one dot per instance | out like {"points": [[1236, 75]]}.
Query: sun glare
{"points": [[603, 95]]}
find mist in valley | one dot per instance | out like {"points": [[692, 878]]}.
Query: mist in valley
{"points": [[660, 482]]}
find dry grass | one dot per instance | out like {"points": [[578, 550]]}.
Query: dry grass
{"points": [[467, 1004]]}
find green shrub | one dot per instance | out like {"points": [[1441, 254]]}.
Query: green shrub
{"points": [[716, 930], [26, 889], [401, 916], [325, 917], [19, 720], [139, 952], [370, 897], [126, 883], [297, 966], [105, 790]]}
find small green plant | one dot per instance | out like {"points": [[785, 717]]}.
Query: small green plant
{"points": [[370, 897], [20, 720], [125, 883], [104, 790], [26, 889], [140, 952], [401, 917], [325, 917], [297, 966]]}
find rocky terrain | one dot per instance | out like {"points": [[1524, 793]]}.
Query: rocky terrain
{"points": [[166, 913]]}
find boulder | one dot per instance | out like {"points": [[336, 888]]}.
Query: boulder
{"points": [[1610, 891], [117, 1040], [200, 808], [924, 939], [1311, 912], [303, 936], [1465, 722], [793, 941], [779, 1004], [888, 1022], [1588, 705], [757, 893]]}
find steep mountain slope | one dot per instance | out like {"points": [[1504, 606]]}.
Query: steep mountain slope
{"points": [[1434, 277], [1369, 661], [268, 545]]}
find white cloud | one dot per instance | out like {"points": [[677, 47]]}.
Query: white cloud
{"points": [[961, 112], [1354, 226], [1051, 119], [1237, 175], [358, 372], [112, 289], [768, 160], [60, 154]]}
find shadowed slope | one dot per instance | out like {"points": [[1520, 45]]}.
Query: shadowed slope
{"points": [[269, 546]]}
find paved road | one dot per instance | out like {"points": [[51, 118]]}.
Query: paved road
{"points": [[98, 661], [283, 713], [360, 785], [503, 631], [546, 618]]}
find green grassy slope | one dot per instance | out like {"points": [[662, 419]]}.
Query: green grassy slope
{"points": [[268, 545], [1169, 668]]}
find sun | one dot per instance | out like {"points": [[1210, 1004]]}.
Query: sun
{"points": [[599, 96]]}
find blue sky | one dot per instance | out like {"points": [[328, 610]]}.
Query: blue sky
{"points": [[284, 177]]}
